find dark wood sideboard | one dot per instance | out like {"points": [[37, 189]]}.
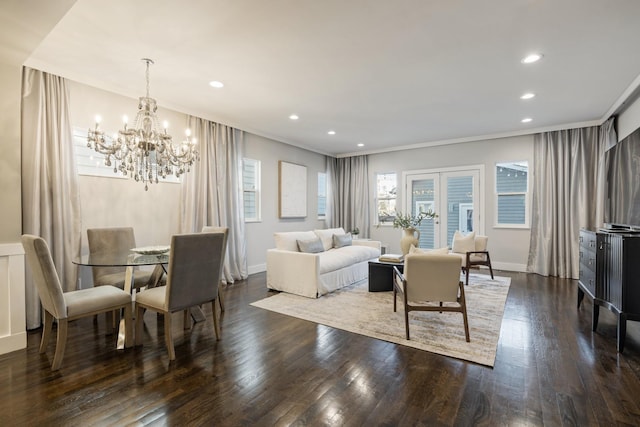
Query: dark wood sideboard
{"points": [[610, 275]]}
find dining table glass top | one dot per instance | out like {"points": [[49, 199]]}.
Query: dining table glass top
{"points": [[121, 259]]}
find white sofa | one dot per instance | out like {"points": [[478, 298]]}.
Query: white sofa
{"points": [[315, 274]]}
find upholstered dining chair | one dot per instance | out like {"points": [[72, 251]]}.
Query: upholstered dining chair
{"points": [[68, 306], [225, 230], [427, 282], [114, 239], [192, 279], [472, 251]]}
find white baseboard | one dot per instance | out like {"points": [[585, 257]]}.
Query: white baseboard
{"points": [[507, 266], [13, 342], [259, 268]]}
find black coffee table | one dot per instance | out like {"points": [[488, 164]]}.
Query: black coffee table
{"points": [[381, 275]]}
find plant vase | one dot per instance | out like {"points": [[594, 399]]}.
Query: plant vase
{"points": [[411, 237]]}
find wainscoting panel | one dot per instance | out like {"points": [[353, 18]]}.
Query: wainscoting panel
{"points": [[13, 335]]}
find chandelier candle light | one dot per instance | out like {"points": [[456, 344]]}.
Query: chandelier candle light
{"points": [[144, 152]]}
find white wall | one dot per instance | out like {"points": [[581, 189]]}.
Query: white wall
{"points": [[509, 247], [260, 234]]}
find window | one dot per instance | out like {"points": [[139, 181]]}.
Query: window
{"points": [[251, 189], [322, 195], [512, 186], [386, 192]]}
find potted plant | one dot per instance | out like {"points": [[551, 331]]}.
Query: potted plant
{"points": [[409, 223], [355, 232]]}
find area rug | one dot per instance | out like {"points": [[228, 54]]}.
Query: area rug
{"points": [[357, 310]]}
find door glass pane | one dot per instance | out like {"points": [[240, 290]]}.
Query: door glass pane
{"points": [[459, 205], [422, 199]]}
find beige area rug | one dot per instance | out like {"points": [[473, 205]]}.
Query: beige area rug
{"points": [[354, 309]]}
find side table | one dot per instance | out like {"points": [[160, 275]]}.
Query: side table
{"points": [[381, 275]]}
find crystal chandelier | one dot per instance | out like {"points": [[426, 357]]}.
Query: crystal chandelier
{"points": [[143, 152]]}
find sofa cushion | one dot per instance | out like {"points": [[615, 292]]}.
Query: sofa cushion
{"points": [[288, 240], [311, 246], [327, 236], [335, 259], [340, 240]]}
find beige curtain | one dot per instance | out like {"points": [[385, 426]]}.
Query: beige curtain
{"points": [[568, 194], [348, 193], [50, 199], [212, 191]]}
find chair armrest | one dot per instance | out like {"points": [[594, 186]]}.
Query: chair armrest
{"points": [[397, 273], [293, 272]]}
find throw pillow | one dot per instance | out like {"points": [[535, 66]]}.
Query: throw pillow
{"points": [[326, 236], [340, 240], [463, 244], [312, 246], [440, 251]]}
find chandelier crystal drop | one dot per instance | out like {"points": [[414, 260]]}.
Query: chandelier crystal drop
{"points": [[144, 152]]}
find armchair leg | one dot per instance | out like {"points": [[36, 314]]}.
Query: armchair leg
{"points": [[60, 344], [139, 323], [187, 319], [220, 300], [463, 305], [128, 325], [406, 321], [168, 338], [489, 262], [46, 331], [216, 327]]}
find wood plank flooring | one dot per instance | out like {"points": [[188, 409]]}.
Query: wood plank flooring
{"points": [[270, 369]]}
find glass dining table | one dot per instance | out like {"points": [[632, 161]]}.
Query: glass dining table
{"points": [[130, 260]]}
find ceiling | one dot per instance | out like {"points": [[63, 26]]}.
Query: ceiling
{"points": [[387, 74]]}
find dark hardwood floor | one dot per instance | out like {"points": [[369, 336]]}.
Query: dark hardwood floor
{"points": [[270, 369]]}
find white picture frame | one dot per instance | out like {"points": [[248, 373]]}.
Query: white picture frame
{"points": [[292, 195]]}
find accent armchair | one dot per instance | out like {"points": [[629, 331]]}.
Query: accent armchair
{"points": [[427, 282], [472, 251]]}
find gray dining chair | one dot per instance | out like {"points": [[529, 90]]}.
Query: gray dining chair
{"points": [[68, 306], [225, 230], [193, 278], [115, 239]]}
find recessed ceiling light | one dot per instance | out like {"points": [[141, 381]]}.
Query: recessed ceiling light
{"points": [[528, 95], [294, 117], [361, 145], [526, 120], [216, 84], [530, 59], [332, 132]]}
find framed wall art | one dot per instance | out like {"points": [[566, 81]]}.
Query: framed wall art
{"points": [[292, 180]]}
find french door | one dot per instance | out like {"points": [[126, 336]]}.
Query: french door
{"points": [[452, 194]]}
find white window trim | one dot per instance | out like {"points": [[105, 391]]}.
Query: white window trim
{"points": [[326, 195], [527, 198], [375, 205], [257, 190]]}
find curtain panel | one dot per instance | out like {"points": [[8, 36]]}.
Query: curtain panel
{"points": [[348, 193], [50, 198], [568, 194], [212, 192]]}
